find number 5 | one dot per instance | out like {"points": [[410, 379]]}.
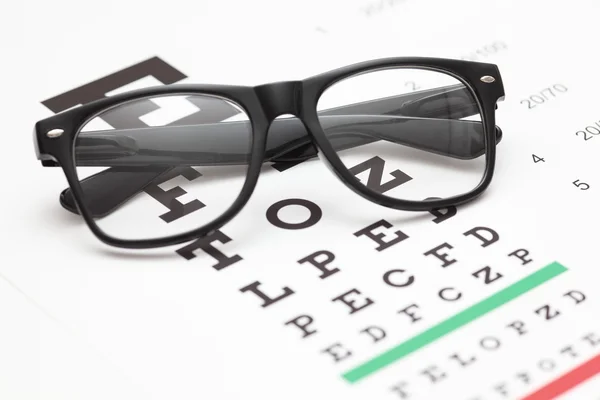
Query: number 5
{"points": [[581, 185]]}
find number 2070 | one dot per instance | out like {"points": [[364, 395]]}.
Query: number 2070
{"points": [[544, 95]]}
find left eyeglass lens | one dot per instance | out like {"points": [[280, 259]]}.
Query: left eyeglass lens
{"points": [[407, 132], [161, 166]]}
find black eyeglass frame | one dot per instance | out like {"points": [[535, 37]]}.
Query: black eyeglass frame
{"points": [[263, 104]]}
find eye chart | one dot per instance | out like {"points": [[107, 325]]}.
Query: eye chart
{"points": [[312, 291]]}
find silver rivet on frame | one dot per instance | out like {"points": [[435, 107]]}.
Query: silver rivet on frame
{"points": [[54, 133], [488, 79]]}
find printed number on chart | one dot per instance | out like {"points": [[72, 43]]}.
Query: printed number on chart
{"points": [[412, 85], [537, 159], [581, 185], [486, 51], [544, 95], [589, 132]]}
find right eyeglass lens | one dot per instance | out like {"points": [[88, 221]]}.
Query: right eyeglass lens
{"points": [[409, 133], [185, 155]]}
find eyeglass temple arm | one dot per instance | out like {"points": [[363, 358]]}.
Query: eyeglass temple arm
{"points": [[289, 142], [228, 143]]}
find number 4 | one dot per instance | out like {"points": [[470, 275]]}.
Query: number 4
{"points": [[537, 159]]}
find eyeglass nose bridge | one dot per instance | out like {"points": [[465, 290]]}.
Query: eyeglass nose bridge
{"points": [[279, 98]]}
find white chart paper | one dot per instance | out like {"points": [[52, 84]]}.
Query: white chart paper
{"points": [[496, 299]]}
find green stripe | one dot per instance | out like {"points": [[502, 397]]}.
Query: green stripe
{"points": [[453, 323]]}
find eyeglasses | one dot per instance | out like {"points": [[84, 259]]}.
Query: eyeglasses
{"points": [[412, 134]]}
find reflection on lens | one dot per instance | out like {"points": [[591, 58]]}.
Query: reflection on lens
{"points": [[161, 166], [408, 133]]}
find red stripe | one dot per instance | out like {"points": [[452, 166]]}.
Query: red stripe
{"points": [[568, 381]]}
